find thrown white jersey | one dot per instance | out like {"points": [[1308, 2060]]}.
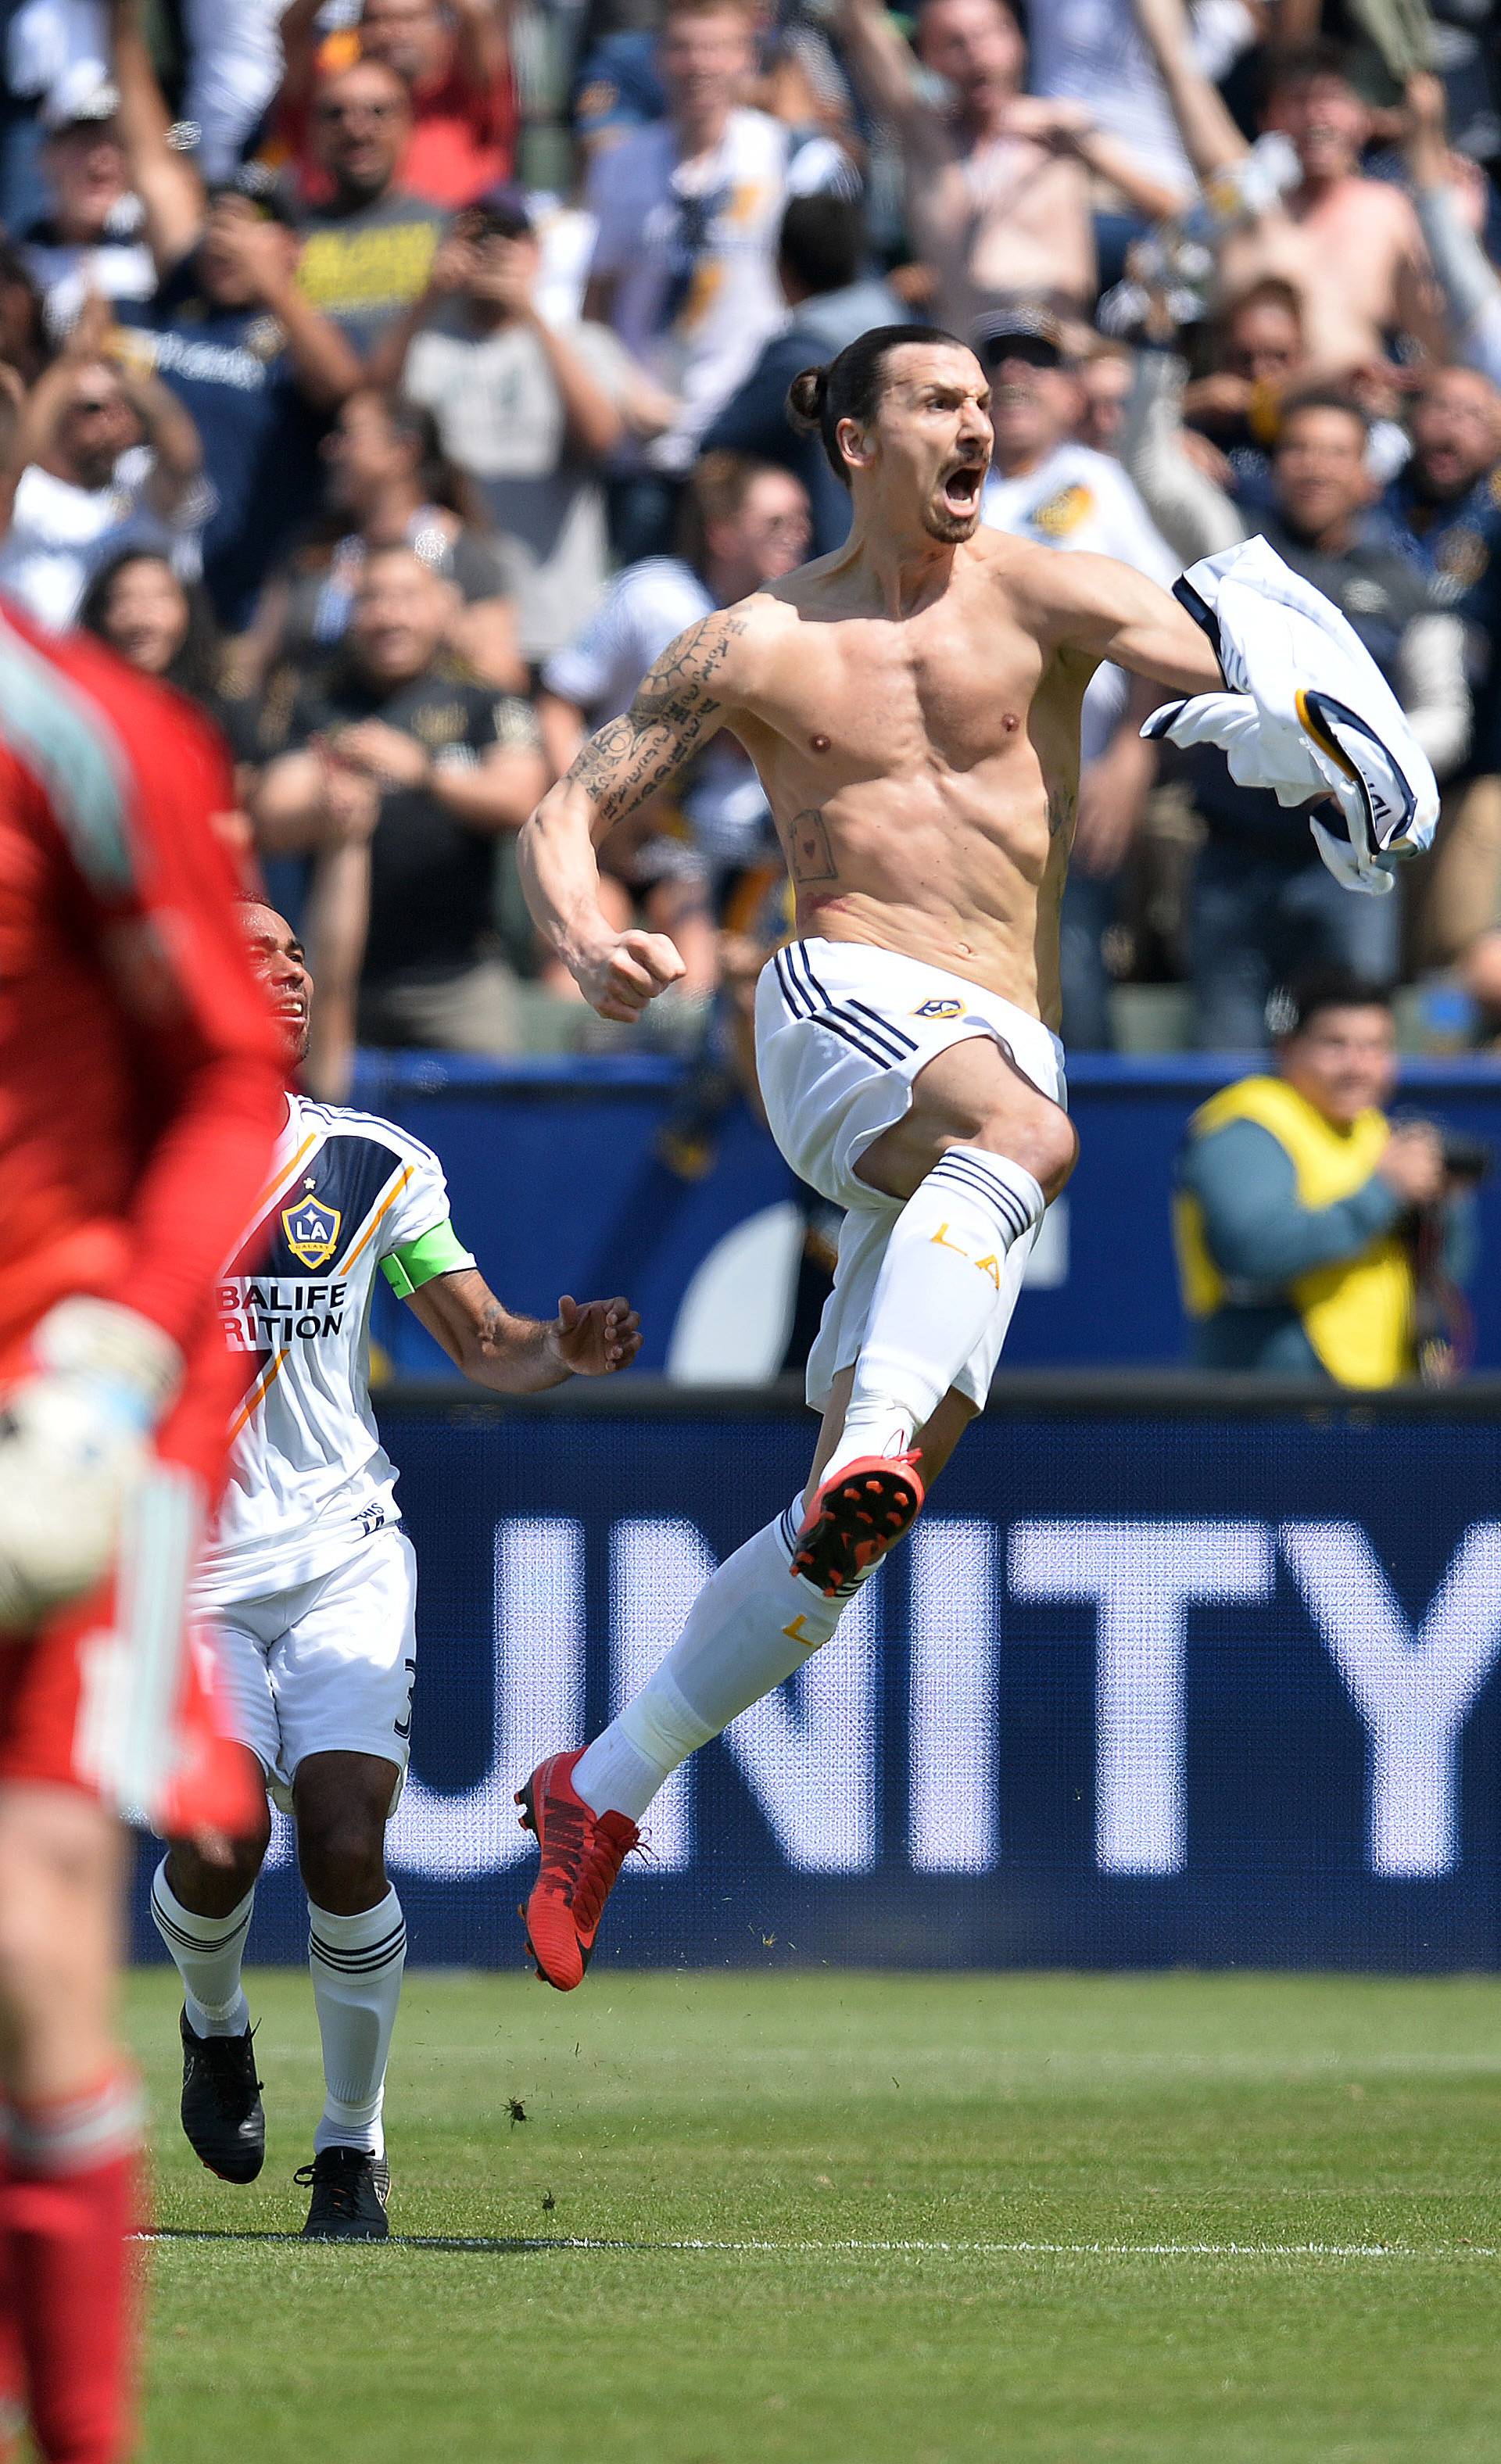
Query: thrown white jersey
{"points": [[309, 1477]]}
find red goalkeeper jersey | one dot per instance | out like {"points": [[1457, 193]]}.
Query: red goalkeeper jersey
{"points": [[141, 1080]]}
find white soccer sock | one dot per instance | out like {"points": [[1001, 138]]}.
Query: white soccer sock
{"points": [[940, 1279], [206, 1952], [753, 1623], [357, 1964]]}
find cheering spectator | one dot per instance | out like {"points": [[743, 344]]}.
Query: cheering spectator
{"points": [[1350, 247], [1048, 488], [367, 252], [389, 477], [1316, 1238], [1452, 197], [832, 300], [1444, 514], [527, 408], [684, 267], [1264, 905], [1092, 55], [1444, 509], [89, 235], [742, 525], [164, 627], [397, 751], [997, 182], [1260, 356], [234, 338], [456, 70], [100, 459], [158, 623]]}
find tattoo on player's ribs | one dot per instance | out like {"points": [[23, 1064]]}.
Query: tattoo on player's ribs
{"points": [[632, 755], [813, 856], [1062, 805]]}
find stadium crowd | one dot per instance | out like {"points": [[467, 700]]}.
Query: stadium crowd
{"points": [[399, 375]]}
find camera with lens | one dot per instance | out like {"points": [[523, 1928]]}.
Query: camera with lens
{"points": [[1464, 1159]]}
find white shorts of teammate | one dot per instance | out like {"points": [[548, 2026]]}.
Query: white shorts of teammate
{"points": [[842, 1030], [326, 1667]]}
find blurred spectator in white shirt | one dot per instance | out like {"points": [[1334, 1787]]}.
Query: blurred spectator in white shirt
{"points": [[689, 210], [89, 235], [100, 459], [1092, 52]]}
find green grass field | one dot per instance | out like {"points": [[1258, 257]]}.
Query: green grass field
{"points": [[853, 2219]]}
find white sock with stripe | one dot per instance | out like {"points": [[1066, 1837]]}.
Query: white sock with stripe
{"points": [[207, 1953], [356, 1963], [754, 1622], [940, 1279]]}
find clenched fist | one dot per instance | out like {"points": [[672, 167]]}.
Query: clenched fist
{"points": [[620, 977]]}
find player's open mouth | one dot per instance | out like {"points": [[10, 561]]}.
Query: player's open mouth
{"points": [[961, 488]]}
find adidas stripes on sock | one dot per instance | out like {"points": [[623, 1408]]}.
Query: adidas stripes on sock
{"points": [[206, 1952], [941, 1280], [356, 1964]]}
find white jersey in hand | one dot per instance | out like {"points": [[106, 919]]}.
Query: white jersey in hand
{"points": [[308, 1475]]}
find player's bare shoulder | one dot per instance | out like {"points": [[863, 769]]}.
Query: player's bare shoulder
{"points": [[1042, 588]]}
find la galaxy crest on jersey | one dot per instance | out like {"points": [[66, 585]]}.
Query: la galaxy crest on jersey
{"points": [[312, 1230], [290, 1279]]}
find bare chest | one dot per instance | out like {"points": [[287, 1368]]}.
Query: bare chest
{"points": [[870, 699], [1343, 262]]}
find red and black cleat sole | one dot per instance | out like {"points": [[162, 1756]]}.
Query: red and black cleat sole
{"points": [[857, 1516]]}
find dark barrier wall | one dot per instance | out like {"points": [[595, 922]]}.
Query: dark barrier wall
{"points": [[1150, 1685], [557, 1189]]}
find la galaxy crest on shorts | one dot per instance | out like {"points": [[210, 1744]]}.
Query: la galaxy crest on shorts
{"points": [[940, 1006]]}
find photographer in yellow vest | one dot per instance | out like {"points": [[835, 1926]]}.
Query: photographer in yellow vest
{"points": [[1312, 1233]]}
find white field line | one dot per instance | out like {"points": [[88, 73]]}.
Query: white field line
{"points": [[1444, 2253]]}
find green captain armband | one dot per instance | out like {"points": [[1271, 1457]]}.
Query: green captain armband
{"points": [[438, 1252]]}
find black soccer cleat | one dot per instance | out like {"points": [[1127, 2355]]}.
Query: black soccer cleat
{"points": [[856, 1515], [223, 2116], [349, 2188]]}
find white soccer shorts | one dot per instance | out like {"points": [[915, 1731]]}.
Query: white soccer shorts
{"points": [[326, 1667], [842, 1029]]}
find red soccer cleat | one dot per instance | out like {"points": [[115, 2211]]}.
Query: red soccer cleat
{"points": [[582, 1853], [857, 1514]]}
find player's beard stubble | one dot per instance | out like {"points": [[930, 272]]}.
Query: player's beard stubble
{"points": [[952, 529]]}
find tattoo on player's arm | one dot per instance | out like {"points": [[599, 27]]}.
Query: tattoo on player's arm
{"points": [[812, 858], [1063, 804], [635, 755]]}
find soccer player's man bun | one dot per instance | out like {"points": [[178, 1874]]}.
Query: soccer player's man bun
{"points": [[805, 397], [850, 386]]}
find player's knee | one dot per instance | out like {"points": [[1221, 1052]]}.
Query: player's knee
{"points": [[212, 1889], [341, 1852], [1038, 1136]]}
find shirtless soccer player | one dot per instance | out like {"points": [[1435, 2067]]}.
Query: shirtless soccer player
{"points": [[310, 1585], [911, 705]]}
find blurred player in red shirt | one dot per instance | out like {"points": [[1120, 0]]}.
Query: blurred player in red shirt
{"points": [[140, 1091]]}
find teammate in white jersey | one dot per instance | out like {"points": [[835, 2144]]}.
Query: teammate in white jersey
{"points": [[311, 1585]]}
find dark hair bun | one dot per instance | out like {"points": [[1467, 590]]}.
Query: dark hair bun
{"points": [[805, 398]]}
